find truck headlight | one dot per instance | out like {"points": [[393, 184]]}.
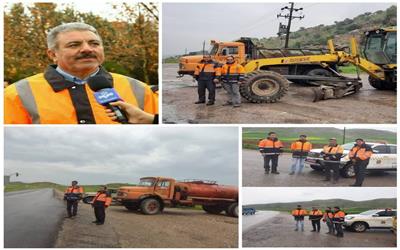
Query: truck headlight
{"points": [[349, 217]]}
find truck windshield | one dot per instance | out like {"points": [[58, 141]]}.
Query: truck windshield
{"points": [[147, 182], [374, 49], [391, 47]]}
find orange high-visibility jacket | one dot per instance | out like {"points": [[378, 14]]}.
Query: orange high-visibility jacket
{"points": [[102, 197], [270, 147], [338, 216], [50, 99], [300, 148], [72, 189], [232, 73], [315, 215], [207, 71], [332, 153], [363, 153], [299, 212]]}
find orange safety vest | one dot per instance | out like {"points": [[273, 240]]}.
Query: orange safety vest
{"points": [[363, 153], [50, 99], [338, 216], [207, 71], [72, 189], [102, 197], [299, 212], [269, 146], [232, 72], [333, 149], [317, 212], [301, 149]]}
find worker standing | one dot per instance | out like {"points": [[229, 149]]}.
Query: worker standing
{"points": [[270, 148], [207, 74], [232, 74], [315, 216], [328, 219], [360, 155], [298, 215], [338, 220], [73, 194], [300, 149], [331, 154], [100, 202]]}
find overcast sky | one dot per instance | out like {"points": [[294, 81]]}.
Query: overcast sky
{"points": [[101, 155], [293, 194], [187, 25]]}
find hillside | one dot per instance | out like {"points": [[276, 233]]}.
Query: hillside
{"points": [[18, 186], [318, 136], [341, 31], [348, 205]]}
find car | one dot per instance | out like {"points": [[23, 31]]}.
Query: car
{"points": [[384, 158], [248, 211], [371, 219], [88, 196]]}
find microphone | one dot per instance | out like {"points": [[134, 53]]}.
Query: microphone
{"points": [[105, 93]]}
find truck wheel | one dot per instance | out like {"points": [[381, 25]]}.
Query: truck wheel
{"points": [[213, 209], [233, 210], [150, 206], [264, 86], [348, 171], [381, 85], [87, 199], [359, 227]]}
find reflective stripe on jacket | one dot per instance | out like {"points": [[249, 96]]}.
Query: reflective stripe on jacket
{"points": [[232, 73], [270, 147], [300, 148], [50, 99]]}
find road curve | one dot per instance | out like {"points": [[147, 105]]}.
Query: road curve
{"points": [[31, 218]]}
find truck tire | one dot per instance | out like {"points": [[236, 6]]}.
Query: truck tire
{"points": [[87, 199], [359, 226], [213, 209], [233, 210], [150, 206], [347, 171], [264, 86], [381, 85]]}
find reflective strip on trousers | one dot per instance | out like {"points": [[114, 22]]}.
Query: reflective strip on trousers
{"points": [[28, 100], [139, 90]]}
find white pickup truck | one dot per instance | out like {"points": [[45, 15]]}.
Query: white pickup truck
{"points": [[384, 158], [371, 219]]}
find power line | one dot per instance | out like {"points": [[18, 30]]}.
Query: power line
{"points": [[286, 28]]}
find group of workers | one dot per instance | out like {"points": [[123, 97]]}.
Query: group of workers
{"points": [[74, 193], [208, 73], [334, 219], [271, 147]]}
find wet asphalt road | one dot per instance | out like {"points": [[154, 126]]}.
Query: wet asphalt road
{"points": [[253, 174], [368, 106], [31, 218], [279, 232]]}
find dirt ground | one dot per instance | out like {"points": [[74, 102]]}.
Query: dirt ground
{"points": [[367, 106], [173, 228], [253, 174], [279, 232]]}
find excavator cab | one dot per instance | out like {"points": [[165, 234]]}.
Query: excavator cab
{"points": [[380, 46]]}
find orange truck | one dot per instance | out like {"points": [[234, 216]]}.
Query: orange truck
{"points": [[152, 194]]}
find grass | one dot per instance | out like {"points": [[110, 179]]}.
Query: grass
{"points": [[349, 69]]}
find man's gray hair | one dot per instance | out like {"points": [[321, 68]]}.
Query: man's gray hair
{"points": [[66, 27]]}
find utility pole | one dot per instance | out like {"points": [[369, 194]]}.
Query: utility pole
{"points": [[344, 135], [290, 17]]}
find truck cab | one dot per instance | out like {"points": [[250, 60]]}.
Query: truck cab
{"points": [[219, 51]]}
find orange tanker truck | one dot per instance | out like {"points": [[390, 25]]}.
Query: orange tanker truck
{"points": [[152, 194]]}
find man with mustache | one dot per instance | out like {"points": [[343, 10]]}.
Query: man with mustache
{"points": [[60, 95]]}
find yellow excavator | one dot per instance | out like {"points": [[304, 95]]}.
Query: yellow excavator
{"points": [[269, 70]]}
